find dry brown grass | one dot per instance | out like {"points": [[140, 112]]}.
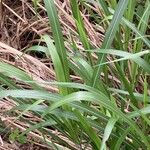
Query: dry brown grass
{"points": [[21, 28]]}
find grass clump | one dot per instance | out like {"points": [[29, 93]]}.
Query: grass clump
{"points": [[103, 89]]}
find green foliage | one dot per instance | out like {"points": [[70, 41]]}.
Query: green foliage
{"points": [[102, 114], [15, 136]]}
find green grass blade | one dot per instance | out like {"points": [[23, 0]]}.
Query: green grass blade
{"points": [[58, 37], [138, 96], [121, 139], [142, 26], [58, 66], [108, 130], [109, 36], [80, 26], [129, 16], [12, 71], [134, 57], [29, 94], [88, 129], [138, 44], [104, 7], [139, 33]]}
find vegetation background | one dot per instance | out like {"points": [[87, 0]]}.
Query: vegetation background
{"points": [[75, 74]]}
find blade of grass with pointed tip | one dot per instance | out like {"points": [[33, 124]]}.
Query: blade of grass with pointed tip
{"points": [[134, 57]]}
